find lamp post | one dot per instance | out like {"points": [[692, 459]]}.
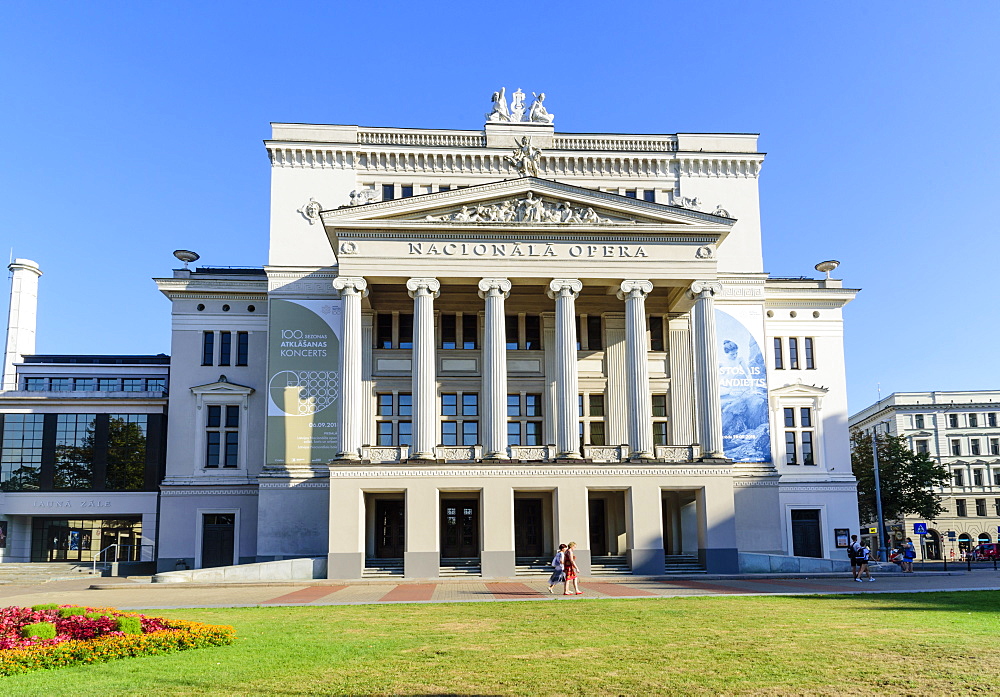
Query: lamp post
{"points": [[878, 497]]}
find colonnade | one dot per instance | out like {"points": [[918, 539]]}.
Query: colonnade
{"points": [[564, 291]]}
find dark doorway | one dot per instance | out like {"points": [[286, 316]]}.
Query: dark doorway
{"points": [[805, 533], [390, 529], [932, 545], [528, 528], [217, 536], [598, 528], [459, 528]]}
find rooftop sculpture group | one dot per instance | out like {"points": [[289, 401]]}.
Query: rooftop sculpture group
{"points": [[516, 112]]}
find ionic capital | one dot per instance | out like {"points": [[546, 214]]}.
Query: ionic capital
{"points": [[500, 285], [431, 286], [564, 287], [348, 285], [634, 289], [701, 289]]}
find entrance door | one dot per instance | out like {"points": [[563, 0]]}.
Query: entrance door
{"points": [[932, 545], [528, 528], [598, 528], [390, 529], [805, 533], [459, 528], [217, 537]]}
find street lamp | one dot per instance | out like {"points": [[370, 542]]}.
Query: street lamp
{"points": [[878, 494]]}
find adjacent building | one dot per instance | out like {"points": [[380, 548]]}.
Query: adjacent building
{"points": [[960, 431]]}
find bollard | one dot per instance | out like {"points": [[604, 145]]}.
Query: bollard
{"points": [[968, 561], [994, 563]]}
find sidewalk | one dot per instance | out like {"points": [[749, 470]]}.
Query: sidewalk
{"points": [[128, 595]]}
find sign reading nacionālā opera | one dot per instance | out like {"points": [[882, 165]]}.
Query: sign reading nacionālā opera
{"points": [[522, 249], [303, 368]]}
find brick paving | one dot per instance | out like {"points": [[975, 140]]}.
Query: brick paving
{"points": [[112, 592]]}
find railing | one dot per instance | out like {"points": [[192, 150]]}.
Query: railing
{"points": [[455, 140], [539, 453], [677, 453], [134, 553], [529, 453], [618, 143], [605, 453]]}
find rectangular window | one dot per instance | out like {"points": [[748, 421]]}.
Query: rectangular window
{"points": [[959, 478], [533, 332], [649, 195], [470, 404], [470, 331], [59, 384], [793, 353], [460, 431], [791, 457], [994, 446], [225, 347], [807, 448], [918, 421], [470, 432], [405, 330], [977, 477], [108, 385], [405, 429], [532, 405], [35, 384], [126, 464], [973, 420], [597, 433], [810, 356], [656, 342], [513, 405], [991, 420], [449, 405], [659, 433], [384, 432], [532, 432], [449, 433], [952, 420], [388, 192], [596, 402], [659, 405], [84, 384], [21, 452], [974, 446], [133, 385], [921, 446], [207, 348], [405, 191], [956, 447], [222, 436], [383, 331], [513, 433], [805, 417], [74, 466], [595, 337], [448, 328], [242, 348], [778, 362], [789, 417], [960, 508], [444, 187], [512, 332], [631, 193]]}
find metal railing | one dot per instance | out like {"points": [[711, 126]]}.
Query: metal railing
{"points": [[119, 557]]}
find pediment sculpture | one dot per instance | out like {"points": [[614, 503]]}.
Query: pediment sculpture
{"points": [[524, 158], [528, 210], [516, 112]]}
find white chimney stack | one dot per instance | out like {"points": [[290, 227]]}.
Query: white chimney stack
{"points": [[22, 318]]}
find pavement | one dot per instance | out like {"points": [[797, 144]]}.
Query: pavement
{"points": [[131, 595]]}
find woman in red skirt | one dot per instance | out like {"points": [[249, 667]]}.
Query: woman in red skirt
{"points": [[569, 568]]}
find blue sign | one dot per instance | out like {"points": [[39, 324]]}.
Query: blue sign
{"points": [[920, 528], [951, 534]]}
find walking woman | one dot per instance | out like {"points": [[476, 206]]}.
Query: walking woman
{"points": [[570, 570], [558, 575]]}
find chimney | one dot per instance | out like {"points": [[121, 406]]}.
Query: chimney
{"points": [[22, 318]]}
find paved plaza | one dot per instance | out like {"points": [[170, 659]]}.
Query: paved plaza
{"points": [[129, 595]]}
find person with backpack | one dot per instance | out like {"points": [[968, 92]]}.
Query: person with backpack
{"points": [[862, 556], [558, 575], [853, 551]]}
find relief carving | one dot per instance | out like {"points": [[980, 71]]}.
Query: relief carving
{"points": [[529, 209]]}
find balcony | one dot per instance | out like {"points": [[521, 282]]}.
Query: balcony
{"points": [[386, 454]]}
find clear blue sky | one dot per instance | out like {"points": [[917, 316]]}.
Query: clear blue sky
{"points": [[133, 129]]}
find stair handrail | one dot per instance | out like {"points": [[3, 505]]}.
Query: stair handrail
{"points": [[98, 556]]}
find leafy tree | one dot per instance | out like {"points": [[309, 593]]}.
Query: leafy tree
{"points": [[907, 478]]}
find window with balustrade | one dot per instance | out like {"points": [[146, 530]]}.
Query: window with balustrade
{"points": [[394, 419], [524, 419], [460, 422]]}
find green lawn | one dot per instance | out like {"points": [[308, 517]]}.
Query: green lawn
{"points": [[922, 643]]}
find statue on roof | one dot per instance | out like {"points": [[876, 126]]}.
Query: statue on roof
{"points": [[517, 106], [500, 111], [538, 114]]}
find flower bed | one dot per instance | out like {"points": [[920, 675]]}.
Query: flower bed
{"points": [[50, 636]]}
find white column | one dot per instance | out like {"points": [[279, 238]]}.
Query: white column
{"points": [[21, 317], [423, 291], [707, 367], [565, 291], [495, 291], [352, 290], [640, 407]]}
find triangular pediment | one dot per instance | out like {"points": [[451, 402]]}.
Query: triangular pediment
{"points": [[526, 203], [222, 386], [799, 390]]}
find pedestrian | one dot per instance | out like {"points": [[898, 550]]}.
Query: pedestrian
{"points": [[558, 575], [853, 553], [863, 556], [570, 570], [909, 554]]}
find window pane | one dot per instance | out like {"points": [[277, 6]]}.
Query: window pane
{"points": [[405, 331], [448, 331], [532, 405], [84, 385], [579, 405], [659, 405], [232, 448], [470, 404], [513, 405], [793, 353], [406, 191], [778, 363], [225, 347], [533, 332], [232, 417], [449, 433], [532, 432], [810, 363], [21, 458], [470, 331], [388, 192], [449, 405], [805, 417], [242, 348], [791, 457], [35, 384], [405, 404], [513, 433], [649, 195], [789, 417], [973, 420], [133, 384], [405, 432], [384, 436], [597, 433], [659, 433], [597, 405], [108, 385], [918, 421], [510, 326], [595, 338], [655, 333], [807, 448], [212, 455], [383, 333], [156, 385], [59, 384], [214, 416], [385, 405], [470, 432]]}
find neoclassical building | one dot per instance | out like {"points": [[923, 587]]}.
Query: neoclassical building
{"points": [[470, 346], [957, 429]]}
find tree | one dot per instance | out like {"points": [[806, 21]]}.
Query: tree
{"points": [[126, 459], [907, 478]]}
